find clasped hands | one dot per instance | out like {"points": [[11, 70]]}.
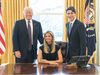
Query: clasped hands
{"points": [[50, 62]]}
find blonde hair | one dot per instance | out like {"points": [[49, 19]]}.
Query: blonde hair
{"points": [[46, 47]]}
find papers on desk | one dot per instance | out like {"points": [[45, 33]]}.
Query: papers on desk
{"points": [[4, 64], [98, 67], [2, 68]]}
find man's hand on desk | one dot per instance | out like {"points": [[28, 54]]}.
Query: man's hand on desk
{"points": [[18, 54]]}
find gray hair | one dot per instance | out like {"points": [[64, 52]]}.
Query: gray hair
{"points": [[27, 8]]}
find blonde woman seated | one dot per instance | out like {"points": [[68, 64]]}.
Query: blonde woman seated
{"points": [[49, 52]]}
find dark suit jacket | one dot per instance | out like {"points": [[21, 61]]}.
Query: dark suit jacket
{"points": [[77, 39], [20, 37]]}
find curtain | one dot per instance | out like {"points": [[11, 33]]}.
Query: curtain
{"points": [[79, 6], [12, 10]]}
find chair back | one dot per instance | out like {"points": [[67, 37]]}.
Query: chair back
{"points": [[63, 46]]}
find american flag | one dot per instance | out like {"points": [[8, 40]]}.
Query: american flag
{"points": [[86, 20], [2, 35], [90, 26]]}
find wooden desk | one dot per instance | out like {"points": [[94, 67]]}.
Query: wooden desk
{"points": [[27, 69]]}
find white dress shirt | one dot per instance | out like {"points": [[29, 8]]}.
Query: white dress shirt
{"points": [[31, 24]]}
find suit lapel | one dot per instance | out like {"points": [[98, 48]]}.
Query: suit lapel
{"points": [[67, 29], [74, 25], [34, 28], [25, 27]]}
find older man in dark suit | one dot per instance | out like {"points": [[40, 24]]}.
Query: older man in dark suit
{"points": [[26, 32], [76, 35]]}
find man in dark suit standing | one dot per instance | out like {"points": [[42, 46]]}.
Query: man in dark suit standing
{"points": [[76, 35], [26, 32]]}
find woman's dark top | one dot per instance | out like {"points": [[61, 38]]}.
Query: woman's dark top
{"points": [[50, 56]]}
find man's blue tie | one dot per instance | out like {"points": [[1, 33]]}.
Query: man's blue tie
{"points": [[69, 34], [70, 27], [29, 32]]}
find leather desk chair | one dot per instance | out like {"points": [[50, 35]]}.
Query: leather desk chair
{"points": [[63, 46]]}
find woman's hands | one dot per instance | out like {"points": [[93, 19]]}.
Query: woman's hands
{"points": [[50, 62]]}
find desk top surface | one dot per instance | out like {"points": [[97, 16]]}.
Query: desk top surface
{"points": [[30, 68]]}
